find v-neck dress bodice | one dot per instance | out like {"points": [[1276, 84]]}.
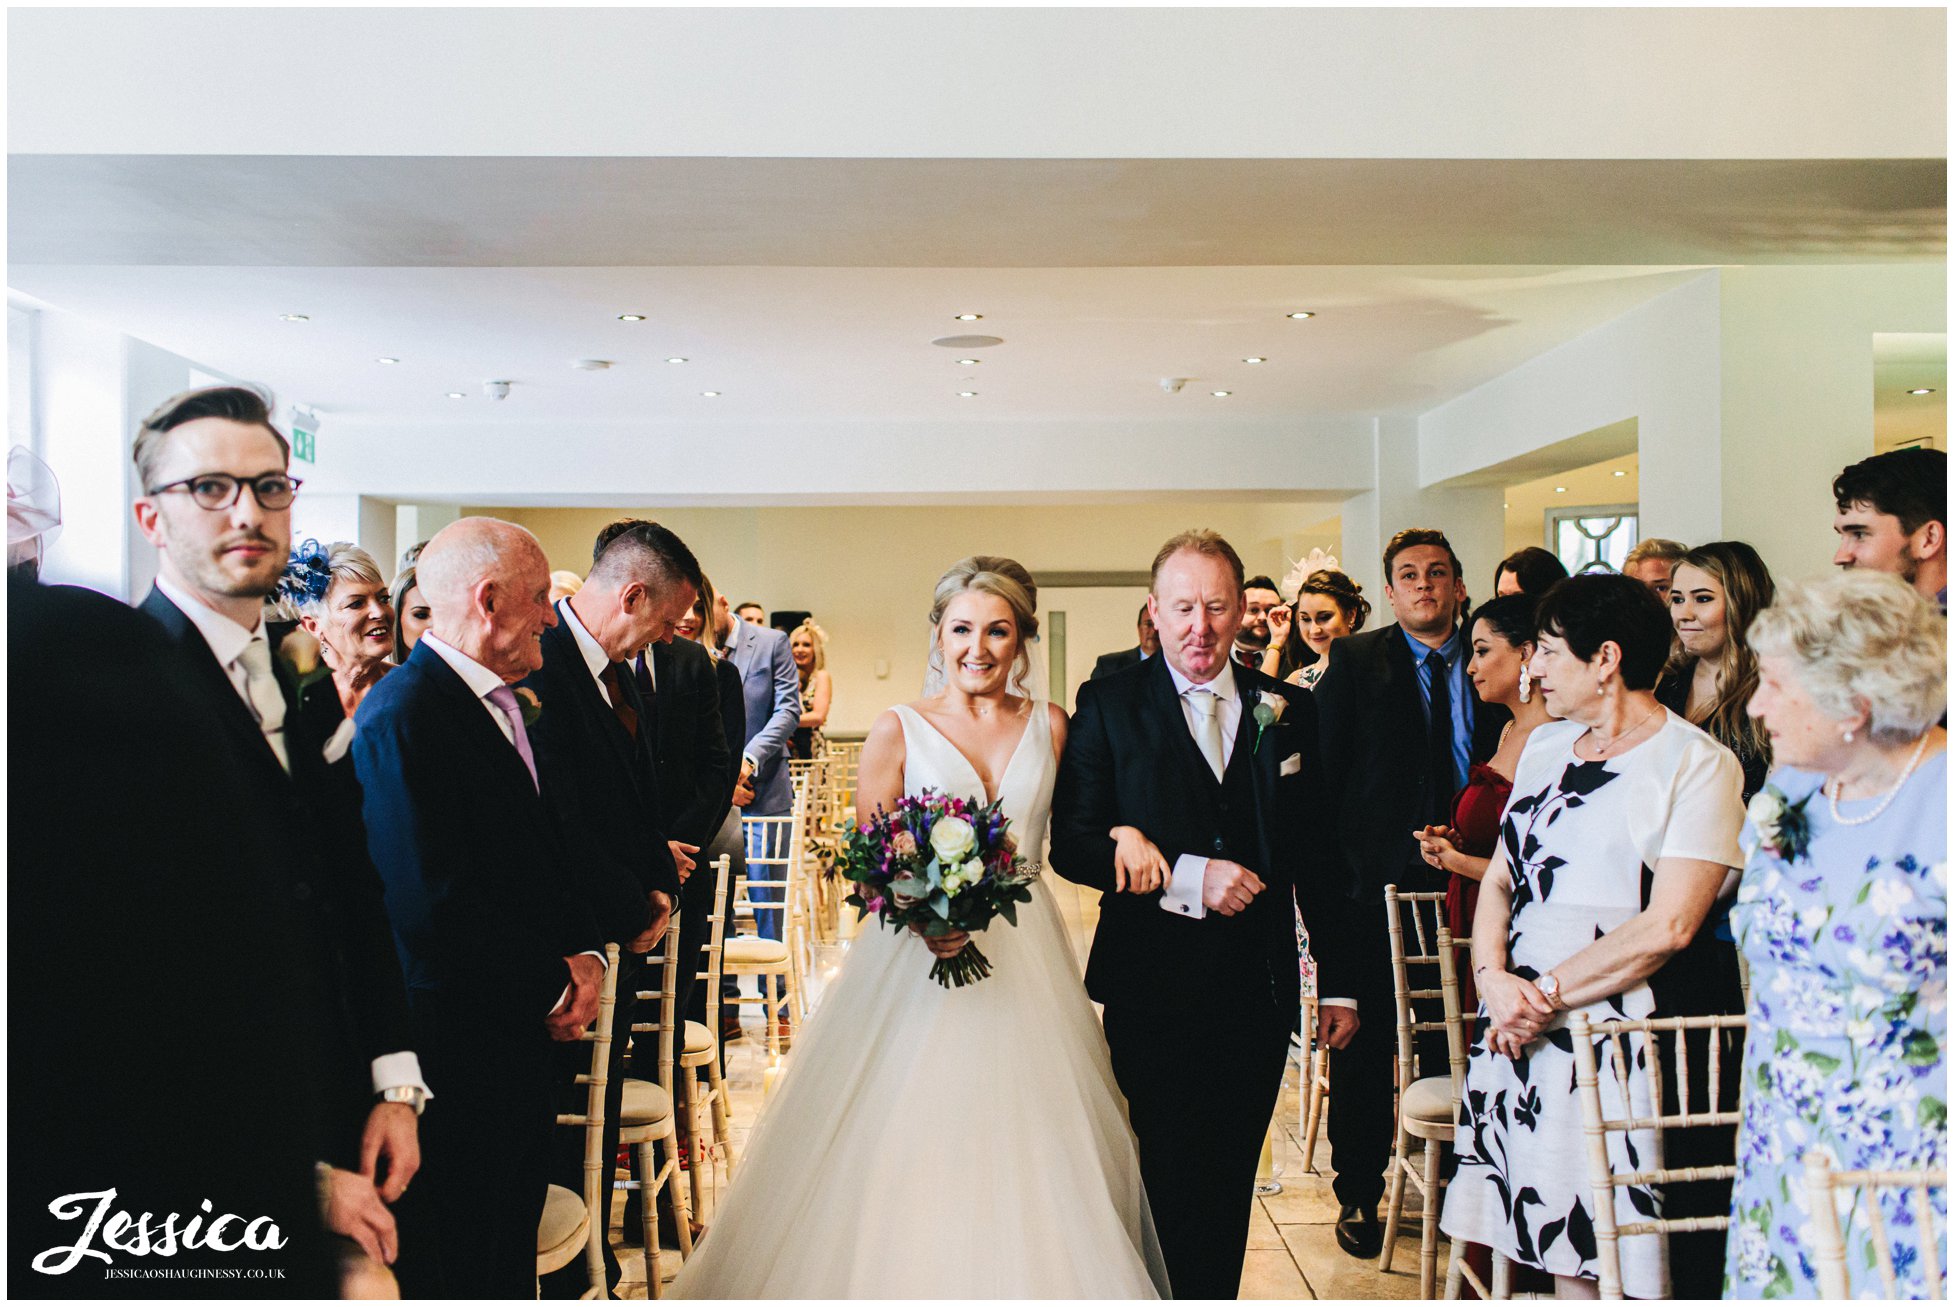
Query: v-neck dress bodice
{"points": [[989, 1112]]}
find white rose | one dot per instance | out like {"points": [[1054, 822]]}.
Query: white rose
{"points": [[952, 838], [1766, 807]]}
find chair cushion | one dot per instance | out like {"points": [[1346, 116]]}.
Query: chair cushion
{"points": [[645, 1103], [562, 1224], [1429, 1099], [698, 1039], [755, 951]]}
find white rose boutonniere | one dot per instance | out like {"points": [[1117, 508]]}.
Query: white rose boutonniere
{"points": [[1783, 830], [1268, 711]]}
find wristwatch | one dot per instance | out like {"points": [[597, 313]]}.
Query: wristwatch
{"points": [[1549, 987], [412, 1095]]}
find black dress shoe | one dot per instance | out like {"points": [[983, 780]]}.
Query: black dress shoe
{"points": [[1358, 1232]]}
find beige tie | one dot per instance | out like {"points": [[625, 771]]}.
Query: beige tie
{"points": [[264, 698], [1207, 727]]}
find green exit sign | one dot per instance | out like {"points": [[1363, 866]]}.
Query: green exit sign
{"points": [[304, 445]]}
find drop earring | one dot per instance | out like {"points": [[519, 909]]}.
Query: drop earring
{"points": [[1526, 684]]}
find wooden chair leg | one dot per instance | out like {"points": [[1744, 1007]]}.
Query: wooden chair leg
{"points": [[688, 1087], [1318, 1071], [648, 1187], [722, 1119], [681, 1214], [1502, 1277], [1394, 1200], [1455, 1269], [1428, 1234], [772, 1009]]}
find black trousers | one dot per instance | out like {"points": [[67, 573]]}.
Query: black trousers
{"points": [[468, 1222], [1200, 1090], [1362, 1084]]}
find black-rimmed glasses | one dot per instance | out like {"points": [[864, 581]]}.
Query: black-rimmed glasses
{"points": [[217, 491]]}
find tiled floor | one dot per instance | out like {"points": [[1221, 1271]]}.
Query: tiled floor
{"points": [[1292, 1249]]}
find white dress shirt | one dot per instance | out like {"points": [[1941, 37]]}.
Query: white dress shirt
{"points": [[227, 641], [593, 653], [483, 683], [1182, 893]]}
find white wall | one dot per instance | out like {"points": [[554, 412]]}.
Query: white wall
{"points": [[1750, 388], [1659, 364], [985, 83], [1470, 516], [79, 374], [1797, 394], [869, 461]]}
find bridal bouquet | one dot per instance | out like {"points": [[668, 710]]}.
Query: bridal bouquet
{"points": [[939, 864]]}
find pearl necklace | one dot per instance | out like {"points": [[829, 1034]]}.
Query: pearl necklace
{"points": [[1832, 788]]}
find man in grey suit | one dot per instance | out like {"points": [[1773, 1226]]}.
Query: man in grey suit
{"points": [[773, 709]]}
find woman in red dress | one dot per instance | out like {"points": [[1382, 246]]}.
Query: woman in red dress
{"points": [[1502, 641]]}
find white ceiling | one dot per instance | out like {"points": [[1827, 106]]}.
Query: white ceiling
{"points": [[828, 343]]}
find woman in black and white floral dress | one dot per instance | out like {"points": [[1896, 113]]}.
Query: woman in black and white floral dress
{"points": [[1620, 835]]}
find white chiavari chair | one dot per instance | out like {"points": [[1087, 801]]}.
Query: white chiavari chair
{"points": [[570, 1220], [770, 864], [1427, 1097], [648, 1118], [1823, 1186], [701, 1050], [1638, 1079]]}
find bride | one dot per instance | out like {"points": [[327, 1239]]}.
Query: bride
{"points": [[948, 1143]]}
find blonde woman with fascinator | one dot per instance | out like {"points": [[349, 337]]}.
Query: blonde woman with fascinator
{"points": [[1027, 1179]]}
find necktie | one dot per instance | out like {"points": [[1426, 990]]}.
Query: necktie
{"points": [[505, 701], [1443, 770], [264, 698], [1207, 728], [627, 716]]}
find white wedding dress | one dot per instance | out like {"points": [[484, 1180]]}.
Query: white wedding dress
{"points": [[944, 1143]]}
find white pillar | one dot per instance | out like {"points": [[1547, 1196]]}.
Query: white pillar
{"points": [[1797, 395], [1470, 517]]}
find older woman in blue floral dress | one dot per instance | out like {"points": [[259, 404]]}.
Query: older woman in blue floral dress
{"points": [[1842, 915]]}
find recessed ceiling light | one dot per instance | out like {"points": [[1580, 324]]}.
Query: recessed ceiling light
{"points": [[1922, 390], [1221, 394], [386, 360], [968, 317], [969, 363], [1560, 490], [630, 317], [1255, 360], [456, 394], [1506, 505], [677, 360], [1620, 473], [966, 394], [710, 394], [1301, 314], [294, 317]]}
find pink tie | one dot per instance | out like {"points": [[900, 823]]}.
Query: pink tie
{"points": [[504, 699]]}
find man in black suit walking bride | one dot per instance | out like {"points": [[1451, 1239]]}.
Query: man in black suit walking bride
{"points": [[1182, 798]]}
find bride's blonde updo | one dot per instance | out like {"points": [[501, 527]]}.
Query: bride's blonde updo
{"points": [[1008, 580]]}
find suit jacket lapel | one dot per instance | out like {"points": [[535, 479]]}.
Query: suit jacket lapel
{"points": [[472, 715], [560, 642], [231, 710], [1175, 723]]}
